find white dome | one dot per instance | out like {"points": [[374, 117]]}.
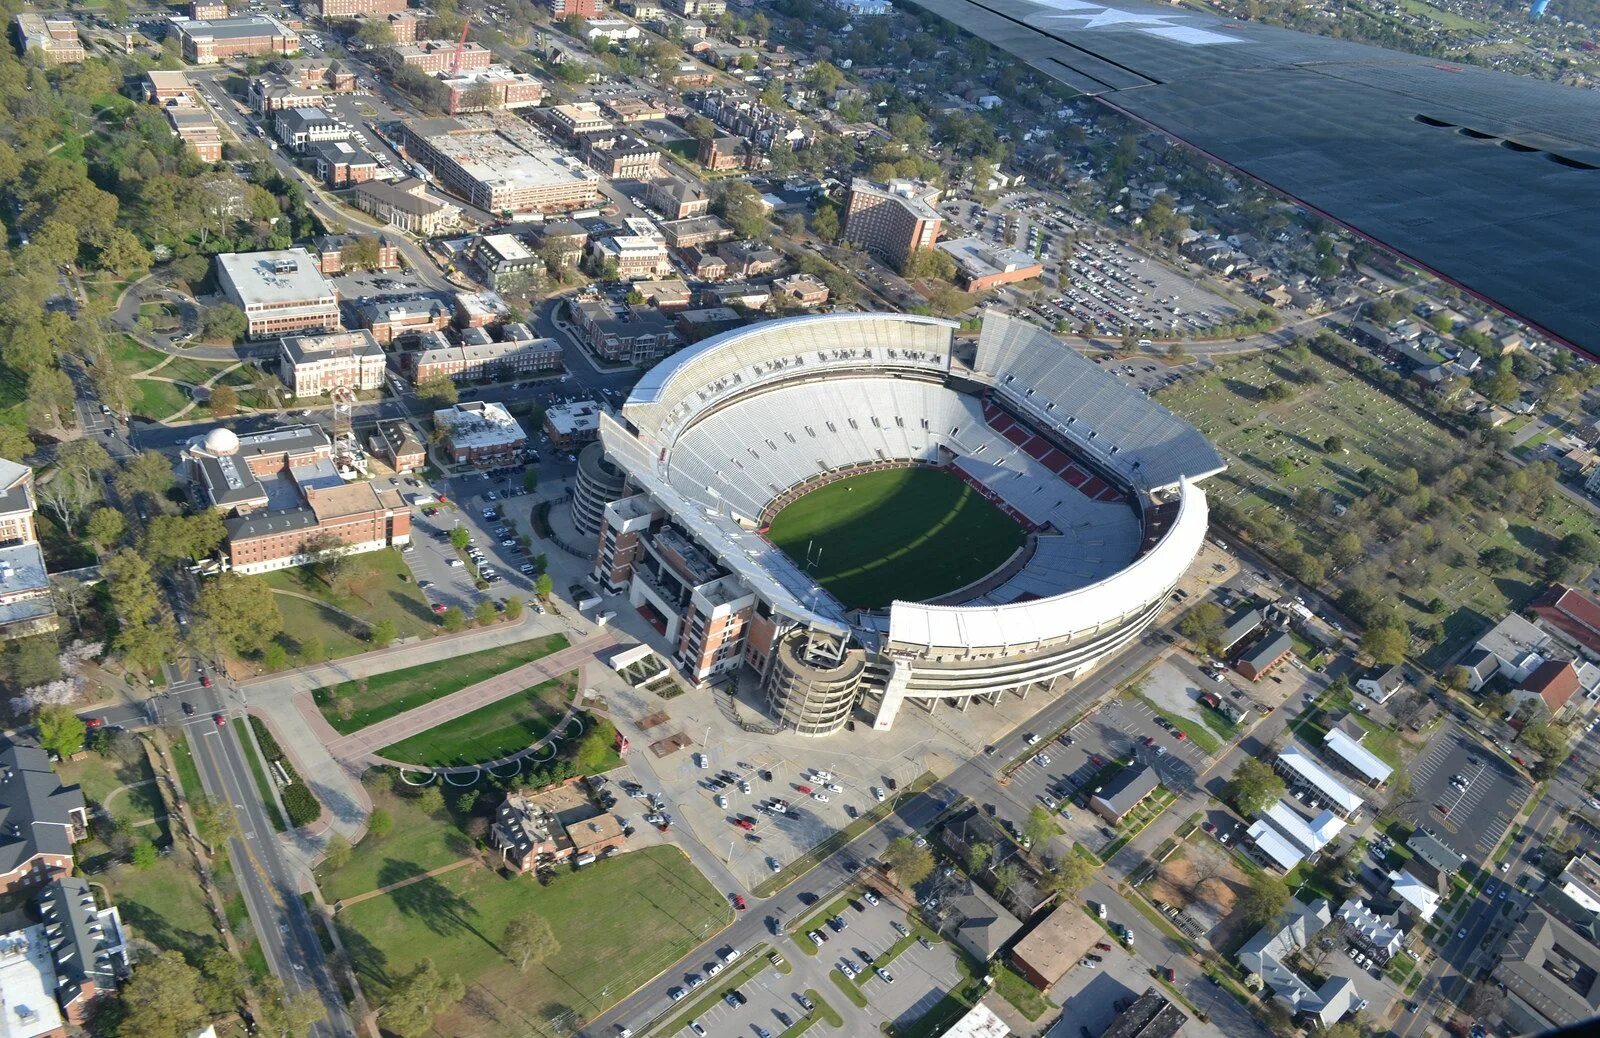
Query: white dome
{"points": [[220, 441]]}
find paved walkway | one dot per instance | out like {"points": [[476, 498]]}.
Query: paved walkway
{"points": [[345, 903], [360, 748]]}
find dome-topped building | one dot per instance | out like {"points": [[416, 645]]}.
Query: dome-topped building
{"points": [[221, 442]]}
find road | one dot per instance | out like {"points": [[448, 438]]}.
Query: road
{"points": [[271, 891]]}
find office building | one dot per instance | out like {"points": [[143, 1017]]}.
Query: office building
{"points": [[209, 41], [982, 265], [316, 365], [298, 127], [493, 170], [280, 292], [340, 164], [572, 425], [480, 432], [388, 319], [54, 40], [167, 88], [621, 156], [635, 256], [194, 126], [26, 606], [352, 8], [571, 121], [403, 205], [893, 221], [287, 500], [479, 356]]}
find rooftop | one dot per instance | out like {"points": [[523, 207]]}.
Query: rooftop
{"points": [[240, 28], [1319, 778], [358, 344], [578, 416], [495, 160], [479, 424], [275, 278], [27, 985], [979, 258], [1056, 944], [1362, 760]]}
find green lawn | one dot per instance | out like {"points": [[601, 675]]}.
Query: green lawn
{"points": [[158, 400], [375, 586], [1023, 996], [417, 843], [100, 776], [910, 534], [490, 732], [619, 922], [1198, 733], [127, 354], [353, 705]]}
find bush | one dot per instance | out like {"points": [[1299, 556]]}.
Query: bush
{"points": [[303, 808]]}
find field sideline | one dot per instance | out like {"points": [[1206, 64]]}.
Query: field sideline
{"points": [[909, 534]]}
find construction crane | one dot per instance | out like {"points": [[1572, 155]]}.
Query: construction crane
{"points": [[461, 46]]}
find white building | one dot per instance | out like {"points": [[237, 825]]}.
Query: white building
{"points": [[1423, 899], [480, 433], [1360, 759], [1301, 770], [315, 365], [1282, 853], [1310, 836]]}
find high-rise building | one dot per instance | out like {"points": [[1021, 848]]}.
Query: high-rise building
{"points": [[894, 220]]}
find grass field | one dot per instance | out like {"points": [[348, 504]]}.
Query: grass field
{"points": [[158, 400], [619, 922], [905, 534], [490, 732], [417, 842], [374, 586], [1275, 450], [353, 705]]}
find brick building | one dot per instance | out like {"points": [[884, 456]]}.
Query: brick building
{"points": [[892, 221], [497, 169], [678, 199], [496, 86], [340, 163], [479, 356], [402, 205], [581, 8], [388, 319], [210, 41], [42, 818], [572, 425], [55, 40], [431, 56], [481, 433], [315, 365], [720, 154], [352, 8], [621, 156], [194, 126], [287, 502]]}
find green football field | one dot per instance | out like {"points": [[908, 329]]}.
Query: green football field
{"points": [[910, 534]]}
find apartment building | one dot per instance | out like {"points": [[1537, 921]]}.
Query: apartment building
{"points": [[892, 221], [433, 56], [631, 334], [505, 260], [581, 8], [479, 356], [280, 292]]}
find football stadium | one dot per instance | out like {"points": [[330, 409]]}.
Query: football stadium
{"points": [[860, 509]]}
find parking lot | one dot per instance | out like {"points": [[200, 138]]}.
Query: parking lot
{"points": [[1473, 814]]}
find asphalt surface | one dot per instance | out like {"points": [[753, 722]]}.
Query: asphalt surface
{"points": [[271, 891]]}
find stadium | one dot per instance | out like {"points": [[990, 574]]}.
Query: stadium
{"points": [[859, 509]]}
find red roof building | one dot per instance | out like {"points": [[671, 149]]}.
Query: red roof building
{"points": [[1553, 681], [1572, 612]]}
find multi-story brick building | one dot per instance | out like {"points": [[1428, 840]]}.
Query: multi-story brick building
{"points": [[581, 8], [299, 127], [280, 292], [621, 156], [55, 40], [893, 220], [805, 290], [387, 319], [352, 8], [571, 425], [87, 946], [206, 10], [504, 260], [695, 232], [497, 86], [403, 205], [397, 445], [316, 365], [194, 126], [572, 121], [287, 502], [167, 88], [304, 83], [431, 56], [42, 819], [480, 432], [630, 334], [479, 356], [678, 199], [500, 168], [340, 163], [720, 154], [635, 255], [209, 41], [331, 251]]}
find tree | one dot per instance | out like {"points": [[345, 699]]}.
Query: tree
{"points": [[381, 633], [528, 938], [60, 730], [453, 619], [460, 536], [284, 1015], [596, 744], [741, 206], [74, 484], [978, 855], [438, 390], [221, 987], [416, 997], [146, 475], [1254, 787], [513, 609], [544, 585], [224, 401], [1264, 900], [1202, 625], [1039, 827], [909, 863], [1385, 644], [1005, 877], [223, 322], [1457, 678], [825, 223], [379, 823], [336, 855], [929, 264], [238, 613], [1070, 877], [175, 538], [143, 856], [104, 528], [485, 613], [1333, 445], [162, 999]]}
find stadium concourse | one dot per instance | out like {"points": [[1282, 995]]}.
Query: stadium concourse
{"points": [[718, 441]]}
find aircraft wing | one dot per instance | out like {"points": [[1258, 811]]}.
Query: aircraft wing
{"points": [[1491, 181]]}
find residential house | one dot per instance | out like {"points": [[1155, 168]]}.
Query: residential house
{"points": [[1123, 792], [1265, 955]]}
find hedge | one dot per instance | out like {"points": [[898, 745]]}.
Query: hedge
{"points": [[298, 800]]}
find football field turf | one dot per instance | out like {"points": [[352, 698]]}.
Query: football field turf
{"points": [[909, 534]]}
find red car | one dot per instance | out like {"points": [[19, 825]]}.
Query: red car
{"points": [[93, 722], [738, 902], [1149, 740], [744, 823], [1179, 734], [221, 721], [205, 681], [438, 607], [804, 789]]}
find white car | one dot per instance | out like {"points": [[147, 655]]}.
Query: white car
{"points": [[821, 798], [821, 776], [772, 863], [722, 801], [1033, 740], [877, 794], [832, 787]]}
